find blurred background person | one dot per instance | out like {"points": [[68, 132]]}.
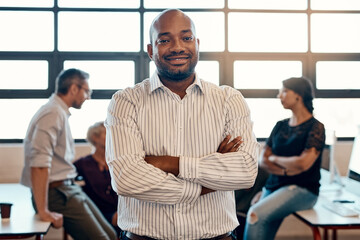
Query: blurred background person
{"points": [[48, 168], [94, 172], [292, 156]]}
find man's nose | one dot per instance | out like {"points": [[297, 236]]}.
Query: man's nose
{"points": [[177, 46]]}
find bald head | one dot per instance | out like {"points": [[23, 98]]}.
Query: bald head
{"points": [[168, 16]]}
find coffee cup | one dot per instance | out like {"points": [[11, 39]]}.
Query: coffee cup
{"points": [[5, 209]]}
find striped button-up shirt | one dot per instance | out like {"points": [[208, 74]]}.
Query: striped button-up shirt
{"points": [[149, 119]]}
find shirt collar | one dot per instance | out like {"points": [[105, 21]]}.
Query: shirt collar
{"points": [[155, 83], [61, 103]]}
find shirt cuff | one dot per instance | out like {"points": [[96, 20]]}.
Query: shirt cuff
{"points": [[188, 168], [191, 192]]}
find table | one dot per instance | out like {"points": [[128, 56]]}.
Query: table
{"points": [[320, 217], [23, 222]]}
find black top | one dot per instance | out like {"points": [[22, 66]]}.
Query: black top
{"points": [[288, 141]]}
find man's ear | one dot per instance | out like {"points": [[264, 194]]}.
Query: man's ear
{"points": [[150, 51], [74, 89]]}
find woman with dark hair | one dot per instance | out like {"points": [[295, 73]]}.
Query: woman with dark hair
{"points": [[292, 157]]}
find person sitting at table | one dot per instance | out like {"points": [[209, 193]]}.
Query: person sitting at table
{"points": [[292, 156], [95, 173]]}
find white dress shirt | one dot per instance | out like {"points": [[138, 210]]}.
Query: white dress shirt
{"points": [[149, 119], [49, 143]]}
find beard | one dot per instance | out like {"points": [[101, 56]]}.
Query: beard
{"points": [[176, 75], [76, 105]]}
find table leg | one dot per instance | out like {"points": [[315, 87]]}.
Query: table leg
{"points": [[326, 234], [39, 237], [334, 234], [316, 233]]}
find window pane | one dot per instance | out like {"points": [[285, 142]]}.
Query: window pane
{"points": [[210, 29], [26, 3], [20, 74], [338, 115], [99, 4], [337, 75], [268, 4], [13, 124], [335, 33], [335, 114], [106, 74], [206, 70], [265, 112], [268, 32], [264, 74], [99, 31], [335, 4], [183, 4], [26, 31], [92, 111]]}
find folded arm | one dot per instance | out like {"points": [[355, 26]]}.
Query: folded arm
{"points": [[131, 175], [170, 164], [294, 165]]}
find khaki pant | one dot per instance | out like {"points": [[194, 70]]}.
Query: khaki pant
{"points": [[82, 219]]}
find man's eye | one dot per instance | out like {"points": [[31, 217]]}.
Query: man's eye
{"points": [[162, 41], [188, 38]]}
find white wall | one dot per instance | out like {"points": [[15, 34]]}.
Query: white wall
{"points": [[12, 160]]}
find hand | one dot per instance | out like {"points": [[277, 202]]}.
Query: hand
{"points": [[114, 219], [226, 146], [205, 190], [256, 198], [55, 218]]}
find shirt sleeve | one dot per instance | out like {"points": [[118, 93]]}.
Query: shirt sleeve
{"points": [[44, 140], [131, 175], [316, 137], [229, 171]]}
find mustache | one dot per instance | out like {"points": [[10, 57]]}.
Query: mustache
{"points": [[178, 54]]}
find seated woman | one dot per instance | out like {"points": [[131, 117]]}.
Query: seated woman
{"points": [[292, 156], [95, 173]]}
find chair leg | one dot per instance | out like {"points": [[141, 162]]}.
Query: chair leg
{"points": [[65, 235]]}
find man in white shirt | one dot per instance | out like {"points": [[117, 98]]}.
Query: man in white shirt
{"points": [[49, 172], [177, 146]]}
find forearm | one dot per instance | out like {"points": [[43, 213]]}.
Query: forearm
{"points": [[39, 179], [170, 164], [138, 179], [224, 172]]}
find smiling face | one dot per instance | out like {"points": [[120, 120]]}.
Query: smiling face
{"points": [[174, 47]]}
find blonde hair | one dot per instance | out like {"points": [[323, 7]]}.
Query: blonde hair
{"points": [[95, 130]]}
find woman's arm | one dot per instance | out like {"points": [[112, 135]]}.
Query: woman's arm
{"points": [[296, 164]]}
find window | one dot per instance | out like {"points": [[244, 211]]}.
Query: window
{"points": [[26, 31], [106, 74], [267, 32], [264, 74], [251, 45], [23, 74], [99, 31]]}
